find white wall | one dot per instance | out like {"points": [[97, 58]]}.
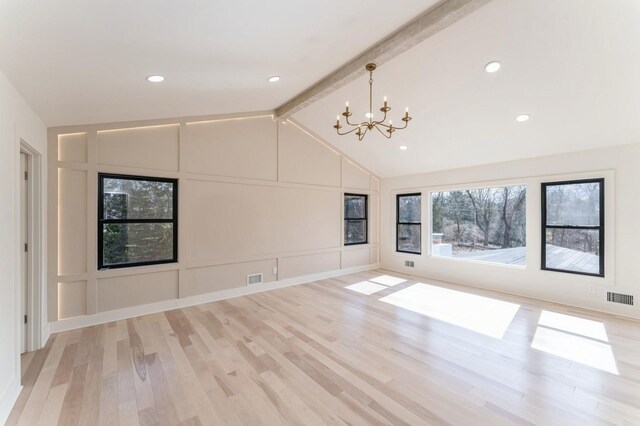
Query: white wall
{"points": [[254, 194], [620, 167], [17, 121]]}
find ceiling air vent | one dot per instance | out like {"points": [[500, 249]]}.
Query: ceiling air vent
{"points": [[254, 279], [408, 263], [625, 299]]}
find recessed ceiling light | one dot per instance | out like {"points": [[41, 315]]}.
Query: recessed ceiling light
{"points": [[155, 78], [403, 147], [492, 66], [273, 78], [523, 117]]}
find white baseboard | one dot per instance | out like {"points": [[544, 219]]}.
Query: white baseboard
{"points": [[152, 308], [9, 398]]}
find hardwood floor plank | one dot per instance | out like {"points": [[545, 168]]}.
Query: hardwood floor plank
{"points": [[70, 413], [53, 405], [322, 353]]}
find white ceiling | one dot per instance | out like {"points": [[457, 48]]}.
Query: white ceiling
{"points": [[573, 65], [80, 62]]}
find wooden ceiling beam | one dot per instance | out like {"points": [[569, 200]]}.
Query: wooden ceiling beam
{"points": [[419, 29]]}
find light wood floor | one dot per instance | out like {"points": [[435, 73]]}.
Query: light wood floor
{"points": [[322, 353]]}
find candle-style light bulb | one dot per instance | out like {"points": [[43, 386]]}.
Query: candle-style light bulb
{"points": [[391, 123], [385, 99], [347, 104], [406, 110], [338, 117]]}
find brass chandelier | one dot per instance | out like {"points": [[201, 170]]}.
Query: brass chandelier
{"points": [[363, 127]]}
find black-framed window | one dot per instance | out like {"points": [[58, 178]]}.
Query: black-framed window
{"points": [[409, 223], [356, 228], [573, 226], [137, 221]]}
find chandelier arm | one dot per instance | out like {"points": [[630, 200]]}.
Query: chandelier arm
{"points": [[383, 133], [384, 118], [406, 123], [362, 123], [347, 120], [361, 135], [346, 133]]}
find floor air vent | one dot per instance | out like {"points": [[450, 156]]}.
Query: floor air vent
{"points": [[625, 299], [254, 279], [408, 263]]}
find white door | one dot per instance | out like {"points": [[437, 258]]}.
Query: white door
{"points": [[24, 239]]}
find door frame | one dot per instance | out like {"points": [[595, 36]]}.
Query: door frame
{"points": [[35, 260]]}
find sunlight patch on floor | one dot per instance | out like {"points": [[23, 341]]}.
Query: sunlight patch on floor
{"points": [[375, 285], [575, 325], [576, 339], [582, 350], [387, 280], [484, 315], [366, 287]]}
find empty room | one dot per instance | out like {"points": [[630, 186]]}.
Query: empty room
{"points": [[320, 213]]}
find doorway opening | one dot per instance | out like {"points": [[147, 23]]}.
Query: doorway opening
{"points": [[24, 257], [30, 213]]}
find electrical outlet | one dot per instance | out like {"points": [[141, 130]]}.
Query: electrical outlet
{"points": [[592, 289], [275, 270]]}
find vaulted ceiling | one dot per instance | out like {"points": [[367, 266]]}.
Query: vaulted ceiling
{"points": [[572, 65], [80, 62]]}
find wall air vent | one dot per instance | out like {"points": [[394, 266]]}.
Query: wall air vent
{"points": [[253, 279], [408, 263], [625, 299]]}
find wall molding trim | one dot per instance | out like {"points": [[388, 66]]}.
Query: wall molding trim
{"points": [[9, 398], [167, 305]]}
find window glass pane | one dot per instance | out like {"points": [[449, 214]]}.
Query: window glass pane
{"points": [[137, 199], [575, 250], [486, 224], [574, 204], [355, 207], [137, 242], [409, 208], [355, 231], [409, 238]]}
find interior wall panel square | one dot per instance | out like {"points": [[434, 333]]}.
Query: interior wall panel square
{"points": [[72, 221], [355, 257], [303, 159], [227, 221], [139, 289], [374, 184], [72, 147], [242, 148], [72, 299], [373, 255], [353, 177], [231, 221], [308, 219], [133, 147], [222, 277], [373, 218], [298, 266]]}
